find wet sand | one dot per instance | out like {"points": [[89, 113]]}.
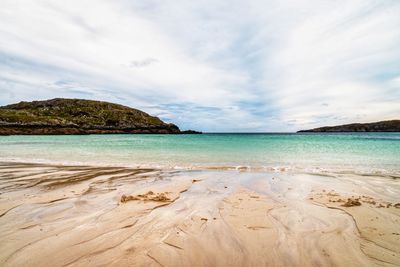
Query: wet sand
{"points": [[113, 216]]}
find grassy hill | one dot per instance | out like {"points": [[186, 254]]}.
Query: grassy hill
{"points": [[380, 126], [78, 116]]}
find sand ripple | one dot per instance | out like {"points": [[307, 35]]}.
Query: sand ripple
{"points": [[94, 216]]}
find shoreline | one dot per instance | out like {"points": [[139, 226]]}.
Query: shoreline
{"points": [[294, 169], [122, 216]]}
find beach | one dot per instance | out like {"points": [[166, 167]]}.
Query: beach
{"points": [[200, 133], [60, 215]]}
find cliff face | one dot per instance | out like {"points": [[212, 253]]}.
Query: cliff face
{"points": [[77, 116], [381, 126]]}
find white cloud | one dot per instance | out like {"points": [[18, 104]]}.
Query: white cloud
{"points": [[230, 65]]}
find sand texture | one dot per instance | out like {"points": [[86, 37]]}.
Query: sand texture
{"points": [[114, 216]]}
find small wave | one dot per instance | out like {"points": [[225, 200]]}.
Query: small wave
{"points": [[332, 171], [382, 138], [32, 143]]}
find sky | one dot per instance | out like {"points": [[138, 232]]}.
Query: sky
{"points": [[213, 65]]}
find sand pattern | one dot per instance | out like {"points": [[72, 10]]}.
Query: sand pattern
{"points": [[114, 216], [377, 222]]}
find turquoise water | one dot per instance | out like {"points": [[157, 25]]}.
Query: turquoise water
{"points": [[380, 151]]}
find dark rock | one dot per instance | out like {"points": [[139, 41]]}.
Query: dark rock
{"points": [[381, 126], [190, 132]]}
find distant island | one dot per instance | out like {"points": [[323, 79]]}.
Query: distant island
{"points": [[79, 116], [380, 126]]}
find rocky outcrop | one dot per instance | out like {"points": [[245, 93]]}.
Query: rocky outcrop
{"points": [[78, 116], [190, 132], [381, 126]]}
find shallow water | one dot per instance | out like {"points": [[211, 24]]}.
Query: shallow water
{"points": [[367, 152]]}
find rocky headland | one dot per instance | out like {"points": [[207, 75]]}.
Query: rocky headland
{"points": [[380, 126], [78, 116]]}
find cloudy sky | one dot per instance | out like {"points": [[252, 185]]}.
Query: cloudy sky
{"points": [[262, 65]]}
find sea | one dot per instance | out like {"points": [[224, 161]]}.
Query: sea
{"points": [[368, 153]]}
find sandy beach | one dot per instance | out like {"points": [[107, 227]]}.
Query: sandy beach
{"points": [[200, 133], [112, 216]]}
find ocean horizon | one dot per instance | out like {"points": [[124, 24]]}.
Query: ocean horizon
{"points": [[362, 152]]}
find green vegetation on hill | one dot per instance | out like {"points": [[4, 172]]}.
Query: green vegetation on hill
{"points": [[380, 126], [85, 113], [78, 116]]}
